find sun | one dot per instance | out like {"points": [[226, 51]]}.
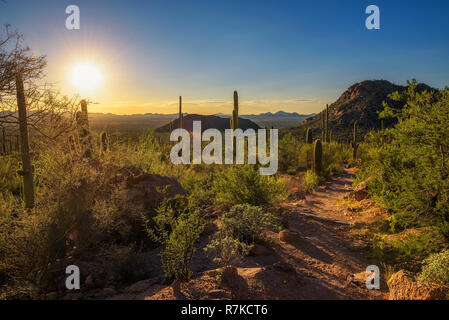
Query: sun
{"points": [[86, 77]]}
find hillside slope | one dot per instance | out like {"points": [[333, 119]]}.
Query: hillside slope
{"points": [[361, 102]]}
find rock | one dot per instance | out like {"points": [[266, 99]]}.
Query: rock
{"points": [[228, 274], [89, 282], [148, 189], [51, 296], [259, 250], [138, 287], [361, 191], [106, 292], [289, 236], [403, 286]]}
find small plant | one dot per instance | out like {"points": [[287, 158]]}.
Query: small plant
{"points": [[177, 230], [311, 181], [436, 269], [227, 251], [246, 185], [248, 223]]}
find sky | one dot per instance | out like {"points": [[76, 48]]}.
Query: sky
{"points": [[293, 55]]}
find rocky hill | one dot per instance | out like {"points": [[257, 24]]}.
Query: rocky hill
{"points": [[208, 122], [361, 102]]}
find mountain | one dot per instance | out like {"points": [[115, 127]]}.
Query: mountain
{"points": [[280, 119], [361, 102], [208, 122]]}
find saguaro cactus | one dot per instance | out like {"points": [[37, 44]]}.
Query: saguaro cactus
{"points": [[27, 169], [354, 141], [104, 140], [181, 116], [235, 112], [309, 136], [82, 121], [317, 157], [327, 124], [4, 140]]}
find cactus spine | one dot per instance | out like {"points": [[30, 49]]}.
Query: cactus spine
{"points": [[354, 141], [309, 138], [27, 169], [317, 156]]}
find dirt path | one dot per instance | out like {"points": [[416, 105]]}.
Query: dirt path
{"points": [[327, 257], [325, 264]]}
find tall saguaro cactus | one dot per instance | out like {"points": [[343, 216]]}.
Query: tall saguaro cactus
{"points": [[354, 141], [27, 169], [181, 116], [235, 112], [4, 140], [327, 124], [309, 138], [82, 121], [317, 157]]}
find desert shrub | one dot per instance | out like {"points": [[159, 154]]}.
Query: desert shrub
{"points": [[311, 181], [436, 269], [125, 263], [244, 184], [200, 190], [407, 166], [407, 249], [227, 250], [177, 229], [9, 181], [290, 149], [247, 223]]}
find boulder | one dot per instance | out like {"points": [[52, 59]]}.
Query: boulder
{"points": [[403, 286], [106, 292], [289, 236], [139, 287], [260, 250], [361, 191], [147, 189]]}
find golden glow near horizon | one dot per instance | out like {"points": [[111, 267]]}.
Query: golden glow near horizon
{"points": [[86, 77]]}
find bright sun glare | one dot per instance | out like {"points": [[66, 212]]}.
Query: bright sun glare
{"points": [[86, 77]]}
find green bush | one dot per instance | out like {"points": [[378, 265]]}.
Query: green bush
{"points": [[247, 223], [244, 184], [436, 269], [227, 250], [311, 181], [177, 229], [408, 166]]}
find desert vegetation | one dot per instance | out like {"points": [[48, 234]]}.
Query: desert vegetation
{"points": [[114, 204]]}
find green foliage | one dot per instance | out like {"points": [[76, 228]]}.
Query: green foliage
{"points": [[436, 269], [406, 249], [177, 230], [227, 250], [311, 181], [247, 223], [409, 174], [244, 184], [290, 153]]}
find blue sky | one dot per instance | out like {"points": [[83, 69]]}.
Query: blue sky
{"points": [[290, 55]]}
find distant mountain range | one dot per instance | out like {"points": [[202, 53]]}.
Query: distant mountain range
{"points": [[280, 119]]}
